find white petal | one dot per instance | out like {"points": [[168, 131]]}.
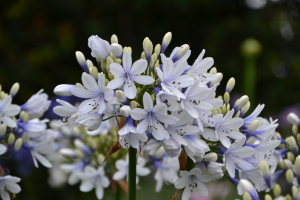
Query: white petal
{"points": [[11, 110], [230, 167], [6, 101], [224, 140], [105, 181], [138, 67], [108, 94], [86, 186], [235, 135], [187, 193], [2, 149], [182, 182], [160, 109], [127, 61], [130, 89], [191, 110], [121, 164], [116, 83], [138, 114], [86, 106], [243, 152], [119, 175], [99, 191], [179, 69], [42, 160], [101, 82], [63, 111], [4, 195], [83, 93], [90, 83], [9, 122], [184, 81], [168, 67], [116, 70], [233, 123], [13, 187], [159, 132], [143, 125], [141, 79], [143, 171], [202, 189], [168, 119], [159, 73], [147, 100], [210, 134]]}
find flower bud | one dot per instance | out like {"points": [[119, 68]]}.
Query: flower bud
{"points": [[18, 144], [293, 119], [237, 114], [288, 197], [120, 95], [240, 103], [148, 49], [81, 60], [81, 146], [293, 145], [290, 156], [213, 71], [268, 197], [210, 157], [264, 168], [129, 50], [3, 95], [226, 97], [79, 153], [286, 164], [246, 186], [166, 41], [117, 50], [11, 139], [277, 190], [64, 90], [109, 62], [89, 64], [218, 79], [79, 85], [100, 159], [297, 166], [157, 49], [14, 89], [125, 110], [181, 52], [100, 48], [91, 143], [25, 138], [294, 191], [253, 126], [134, 104], [223, 108], [246, 196], [138, 91], [230, 85], [94, 72], [3, 128], [295, 129], [25, 116], [245, 109], [114, 39], [289, 175], [68, 152], [251, 48], [160, 152]]}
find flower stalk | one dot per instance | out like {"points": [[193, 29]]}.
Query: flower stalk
{"points": [[132, 174]]}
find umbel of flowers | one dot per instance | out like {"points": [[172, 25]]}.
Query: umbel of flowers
{"points": [[164, 108], [22, 130]]}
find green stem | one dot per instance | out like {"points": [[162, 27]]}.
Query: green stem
{"points": [[118, 192], [250, 79], [132, 174]]}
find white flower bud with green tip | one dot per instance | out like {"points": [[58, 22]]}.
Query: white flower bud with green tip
{"points": [[289, 175], [166, 41], [11, 139], [121, 96], [219, 77], [241, 102], [114, 39], [117, 50], [277, 190], [81, 60], [230, 85], [3, 129], [210, 157], [14, 89], [293, 119]]}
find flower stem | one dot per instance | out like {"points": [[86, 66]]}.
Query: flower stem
{"points": [[118, 192], [250, 79], [132, 174]]}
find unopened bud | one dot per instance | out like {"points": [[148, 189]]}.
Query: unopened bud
{"points": [[295, 129], [121, 96], [79, 85], [104, 65], [293, 145], [286, 164], [14, 89], [79, 153], [110, 76], [134, 104], [125, 110], [293, 118], [157, 49], [109, 62], [264, 168], [298, 137], [226, 97], [290, 156], [117, 50], [94, 72], [68, 152], [81, 60], [288, 197], [160, 152], [268, 197], [114, 39], [64, 90], [166, 41], [253, 126], [153, 97], [3, 128], [297, 166], [213, 71], [181, 52], [148, 49], [129, 50], [143, 55], [25, 117], [25, 138], [230, 85], [276, 190], [118, 60], [240, 103], [294, 191], [100, 159], [11, 139], [246, 196], [218, 79], [138, 91], [223, 108], [289, 175], [89, 63], [210, 157]]}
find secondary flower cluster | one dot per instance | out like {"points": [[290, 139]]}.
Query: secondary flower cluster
{"points": [[25, 133], [166, 108]]}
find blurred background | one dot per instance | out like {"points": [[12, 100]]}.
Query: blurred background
{"points": [[38, 40]]}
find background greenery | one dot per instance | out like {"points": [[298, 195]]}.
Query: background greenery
{"points": [[38, 40]]}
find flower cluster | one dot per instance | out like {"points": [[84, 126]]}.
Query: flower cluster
{"points": [[26, 133], [166, 108]]}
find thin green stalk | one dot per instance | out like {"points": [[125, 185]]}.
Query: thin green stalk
{"points": [[132, 174], [250, 79], [118, 192]]}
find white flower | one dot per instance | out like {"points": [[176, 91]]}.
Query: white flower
{"points": [[128, 74], [100, 48], [92, 178], [95, 92], [215, 169], [7, 111], [171, 77], [167, 98], [224, 128], [37, 104], [167, 171], [122, 167], [151, 118], [9, 184], [235, 155], [193, 180], [245, 186]]}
